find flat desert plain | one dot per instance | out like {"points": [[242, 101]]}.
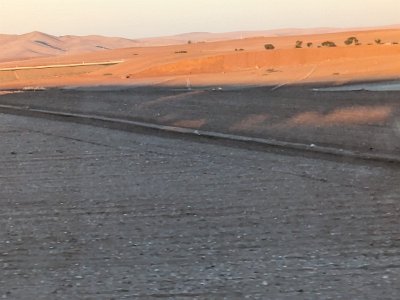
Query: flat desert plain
{"points": [[243, 61]]}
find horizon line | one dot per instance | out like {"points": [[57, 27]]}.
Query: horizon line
{"points": [[361, 28]]}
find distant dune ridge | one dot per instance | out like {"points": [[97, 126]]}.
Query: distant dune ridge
{"points": [[38, 44], [202, 58]]}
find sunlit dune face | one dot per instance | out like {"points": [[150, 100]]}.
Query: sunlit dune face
{"points": [[250, 122], [190, 123], [346, 116], [237, 61], [4, 93], [8, 92]]}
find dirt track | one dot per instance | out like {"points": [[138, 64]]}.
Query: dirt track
{"points": [[94, 213]]}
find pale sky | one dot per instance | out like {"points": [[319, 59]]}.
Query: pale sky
{"points": [[142, 18]]}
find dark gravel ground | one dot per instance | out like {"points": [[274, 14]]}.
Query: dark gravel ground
{"points": [[95, 213], [362, 121]]}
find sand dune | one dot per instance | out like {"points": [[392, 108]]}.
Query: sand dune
{"points": [[223, 36], [237, 61], [198, 37], [38, 44]]}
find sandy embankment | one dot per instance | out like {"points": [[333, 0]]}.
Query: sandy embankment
{"points": [[243, 61]]}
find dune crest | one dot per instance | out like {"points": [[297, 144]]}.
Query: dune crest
{"points": [[38, 44]]}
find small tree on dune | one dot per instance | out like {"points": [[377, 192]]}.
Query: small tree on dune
{"points": [[299, 44], [328, 44], [351, 40], [269, 47]]}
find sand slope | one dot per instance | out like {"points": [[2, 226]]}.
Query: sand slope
{"points": [[38, 44]]}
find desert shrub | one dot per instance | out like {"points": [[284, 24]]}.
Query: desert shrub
{"points": [[182, 51], [351, 40], [309, 44], [299, 44], [378, 41], [328, 44], [269, 46], [240, 49]]}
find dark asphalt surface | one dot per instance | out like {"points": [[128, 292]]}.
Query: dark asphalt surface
{"points": [[363, 121], [95, 213]]}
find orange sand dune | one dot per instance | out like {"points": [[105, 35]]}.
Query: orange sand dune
{"points": [[239, 61], [272, 59], [38, 44]]}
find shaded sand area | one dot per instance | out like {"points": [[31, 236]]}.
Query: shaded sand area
{"points": [[368, 86], [93, 213], [246, 61], [360, 121]]}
